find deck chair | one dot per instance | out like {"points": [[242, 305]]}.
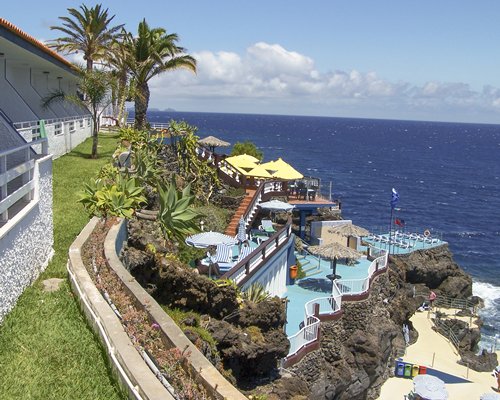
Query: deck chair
{"points": [[267, 226], [244, 253], [223, 253]]}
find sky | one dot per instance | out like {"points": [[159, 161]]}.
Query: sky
{"points": [[425, 60]]}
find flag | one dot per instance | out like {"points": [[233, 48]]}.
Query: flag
{"points": [[394, 198], [399, 222]]}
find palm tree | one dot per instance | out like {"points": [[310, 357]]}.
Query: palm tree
{"points": [[87, 31], [95, 86], [152, 52], [116, 60]]}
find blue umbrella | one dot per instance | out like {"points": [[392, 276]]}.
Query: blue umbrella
{"points": [[205, 239], [242, 231]]}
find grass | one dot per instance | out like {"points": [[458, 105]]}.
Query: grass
{"points": [[47, 350]]}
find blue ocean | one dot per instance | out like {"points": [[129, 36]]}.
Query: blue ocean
{"points": [[447, 176]]}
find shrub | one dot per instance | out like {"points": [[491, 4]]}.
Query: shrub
{"points": [[255, 293], [214, 218], [247, 148]]}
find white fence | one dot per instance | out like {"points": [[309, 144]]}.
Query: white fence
{"points": [[360, 286], [16, 176], [310, 331], [333, 304], [256, 259], [63, 134]]}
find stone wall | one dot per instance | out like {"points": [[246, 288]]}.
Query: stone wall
{"points": [[26, 240]]}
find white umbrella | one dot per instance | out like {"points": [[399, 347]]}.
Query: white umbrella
{"points": [[205, 239], [276, 205], [490, 396], [242, 231], [430, 387]]}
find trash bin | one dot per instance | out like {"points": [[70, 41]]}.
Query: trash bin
{"points": [[423, 370], [408, 369], [415, 370], [400, 368]]}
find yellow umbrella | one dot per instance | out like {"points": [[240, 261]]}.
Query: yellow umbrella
{"points": [[243, 161], [282, 170], [260, 172]]}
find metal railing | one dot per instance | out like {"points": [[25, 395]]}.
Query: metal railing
{"points": [[360, 286], [332, 305], [310, 331], [18, 164], [449, 302], [447, 331]]}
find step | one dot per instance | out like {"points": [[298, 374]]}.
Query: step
{"points": [[317, 272]]}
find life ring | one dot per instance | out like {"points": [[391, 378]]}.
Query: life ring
{"points": [[427, 233]]}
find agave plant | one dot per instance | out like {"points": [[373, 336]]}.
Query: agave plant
{"points": [[176, 218], [256, 293], [119, 198]]}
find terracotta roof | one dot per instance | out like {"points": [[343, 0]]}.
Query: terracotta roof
{"points": [[23, 35]]}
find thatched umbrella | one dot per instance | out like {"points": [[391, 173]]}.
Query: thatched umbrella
{"points": [[332, 251], [348, 230], [212, 142]]}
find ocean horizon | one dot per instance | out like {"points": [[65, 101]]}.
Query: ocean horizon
{"points": [[447, 175]]}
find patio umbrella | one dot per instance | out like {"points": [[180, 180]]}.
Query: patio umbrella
{"points": [[332, 251], [243, 161], [205, 239], [430, 387], [259, 171], [276, 205], [212, 142], [282, 170], [242, 231], [349, 230], [490, 396]]}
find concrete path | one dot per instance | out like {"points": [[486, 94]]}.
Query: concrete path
{"points": [[434, 351]]}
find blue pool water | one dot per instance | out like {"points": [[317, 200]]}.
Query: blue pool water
{"points": [[447, 175]]}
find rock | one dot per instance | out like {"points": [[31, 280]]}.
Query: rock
{"points": [[248, 354], [485, 362], [457, 287], [270, 314], [436, 269], [52, 284]]}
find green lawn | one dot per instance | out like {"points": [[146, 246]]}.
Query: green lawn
{"points": [[47, 351]]}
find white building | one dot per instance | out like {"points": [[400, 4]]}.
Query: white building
{"points": [[28, 72]]}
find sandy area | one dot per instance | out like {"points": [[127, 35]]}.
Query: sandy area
{"points": [[434, 351]]}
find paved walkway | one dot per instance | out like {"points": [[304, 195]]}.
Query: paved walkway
{"points": [[432, 345]]}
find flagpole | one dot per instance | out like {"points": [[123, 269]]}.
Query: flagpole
{"points": [[390, 229]]}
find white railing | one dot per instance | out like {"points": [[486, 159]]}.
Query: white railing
{"points": [[308, 334], [274, 186], [310, 331], [331, 305], [256, 259], [23, 169], [31, 129], [153, 125], [360, 286]]}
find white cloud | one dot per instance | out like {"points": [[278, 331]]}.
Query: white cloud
{"points": [[269, 78]]}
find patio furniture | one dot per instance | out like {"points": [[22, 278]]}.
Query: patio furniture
{"points": [[267, 226], [223, 253], [244, 252]]}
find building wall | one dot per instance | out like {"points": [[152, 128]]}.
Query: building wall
{"points": [[11, 102], [320, 234], [26, 240], [19, 76]]}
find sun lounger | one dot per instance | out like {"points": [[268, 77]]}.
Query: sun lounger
{"points": [[244, 252], [223, 253], [267, 226]]}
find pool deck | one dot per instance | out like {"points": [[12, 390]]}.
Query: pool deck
{"points": [[317, 285], [403, 243], [429, 345]]}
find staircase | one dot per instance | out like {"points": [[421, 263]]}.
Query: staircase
{"points": [[232, 228]]}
